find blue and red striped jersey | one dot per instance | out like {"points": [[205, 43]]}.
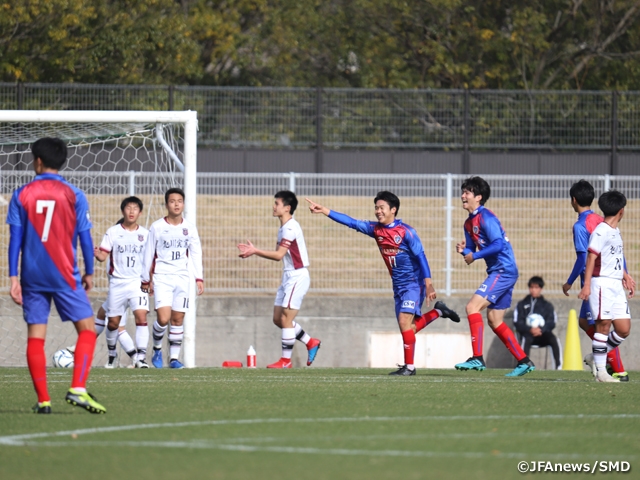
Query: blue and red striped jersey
{"points": [[51, 213], [485, 237], [399, 245]]}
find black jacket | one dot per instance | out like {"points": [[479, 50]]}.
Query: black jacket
{"points": [[529, 305]]}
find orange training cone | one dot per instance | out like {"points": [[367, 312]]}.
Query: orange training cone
{"points": [[572, 359]]}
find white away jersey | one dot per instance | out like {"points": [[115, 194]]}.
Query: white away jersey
{"points": [[606, 242], [126, 250], [290, 236], [170, 247]]}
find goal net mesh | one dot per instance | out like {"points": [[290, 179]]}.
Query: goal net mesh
{"points": [[108, 161]]}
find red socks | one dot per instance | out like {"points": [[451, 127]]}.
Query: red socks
{"points": [[477, 333], [426, 319], [82, 358], [505, 334], [409, 341], [37, 362]]}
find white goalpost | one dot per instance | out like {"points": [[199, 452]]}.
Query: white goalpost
{"points": [[112, 154]]}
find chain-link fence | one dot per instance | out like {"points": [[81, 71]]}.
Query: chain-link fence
{"points": [[239, 117]]}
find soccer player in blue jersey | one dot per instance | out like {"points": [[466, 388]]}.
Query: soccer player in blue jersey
{"points": [[404, 256], [486, 239], [582, 194], [46, 217]]}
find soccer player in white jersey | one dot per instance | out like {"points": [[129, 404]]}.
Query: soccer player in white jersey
{"points": [[603, 283], [173, 243], [124, 244], [292, 250]]}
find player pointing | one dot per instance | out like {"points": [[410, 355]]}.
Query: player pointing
{"points": [[404, 256], [47, 216], [173, 242]]}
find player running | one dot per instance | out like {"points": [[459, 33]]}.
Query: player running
{"points": [[292, 250], [604, 283], [486, 239], [582, 194], [173, 241], [124, 245], [405, 259], [46, 218]]}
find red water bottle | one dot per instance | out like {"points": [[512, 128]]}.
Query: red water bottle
{"points": [[251, 357]]}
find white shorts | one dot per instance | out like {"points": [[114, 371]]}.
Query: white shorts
{"points": [[172, 291], [608, 300], [295, 285], [125, 293]]}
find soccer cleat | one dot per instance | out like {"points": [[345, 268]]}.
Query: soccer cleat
{"points": [[590, 362], [603, 376], [522, 369], [111, 363], [44, 407], [473, 363], [282, 363], [84, 400], [622, 376], [142, 364], [447, 312], [175, 363], [156, 359], [312, 347], [403, 371]]}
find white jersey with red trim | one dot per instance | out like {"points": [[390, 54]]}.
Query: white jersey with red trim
{"points": [[126, 251], [606, 242], [290, 236], [169, 248]]}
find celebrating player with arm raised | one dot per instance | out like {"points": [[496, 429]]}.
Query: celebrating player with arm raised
{"points": [[47, 216], [173, 242], [405, 259], [124, 245]]}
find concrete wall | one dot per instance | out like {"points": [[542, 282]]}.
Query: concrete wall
{"points": [[228, 325]]}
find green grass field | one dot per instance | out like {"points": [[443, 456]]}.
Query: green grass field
{"points": [[317, 424]]}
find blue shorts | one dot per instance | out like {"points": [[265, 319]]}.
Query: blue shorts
{"points": [[497, 288], [585, 312], [409, 299], [72, 305]]}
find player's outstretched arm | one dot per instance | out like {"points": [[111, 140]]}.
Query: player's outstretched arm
{"points": [[317, 208], [248, 249]]}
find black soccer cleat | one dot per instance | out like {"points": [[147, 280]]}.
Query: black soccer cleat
{"points": [[45, 407], [403, 371], [447, 312]]}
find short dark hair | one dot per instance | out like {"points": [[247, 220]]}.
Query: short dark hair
{"points": [[177, 190], [391, 198], [288, 198], [583, 192], [129, 200], [51, 151], [477, 186], [612, 202], [536, 280]]}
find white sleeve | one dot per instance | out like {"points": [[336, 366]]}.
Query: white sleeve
{"points": [[195, 253], [288, 236], [596, 242], [149, 254], [107, 244]]}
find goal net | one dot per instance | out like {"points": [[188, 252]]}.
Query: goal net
{"points": [[111, 155]]}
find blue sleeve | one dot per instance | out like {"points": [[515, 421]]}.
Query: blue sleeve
{"points": [[493, 232], [415, 247], [580, 238], [86, 244], [469, 245], [83, 218], [578, 267], [361, 226], [15, 243], [14, 216]]}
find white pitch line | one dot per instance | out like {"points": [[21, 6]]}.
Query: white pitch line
{"points": [[21, 440]]}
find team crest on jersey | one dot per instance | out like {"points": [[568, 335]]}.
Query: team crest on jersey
{"points": [[185, 231], [397, 239], [482, 288], [475, 229], [141, 238], [408, 304]]}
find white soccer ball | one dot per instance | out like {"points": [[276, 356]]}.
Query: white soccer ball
{"points": [[63, 358], [535, 320]]}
